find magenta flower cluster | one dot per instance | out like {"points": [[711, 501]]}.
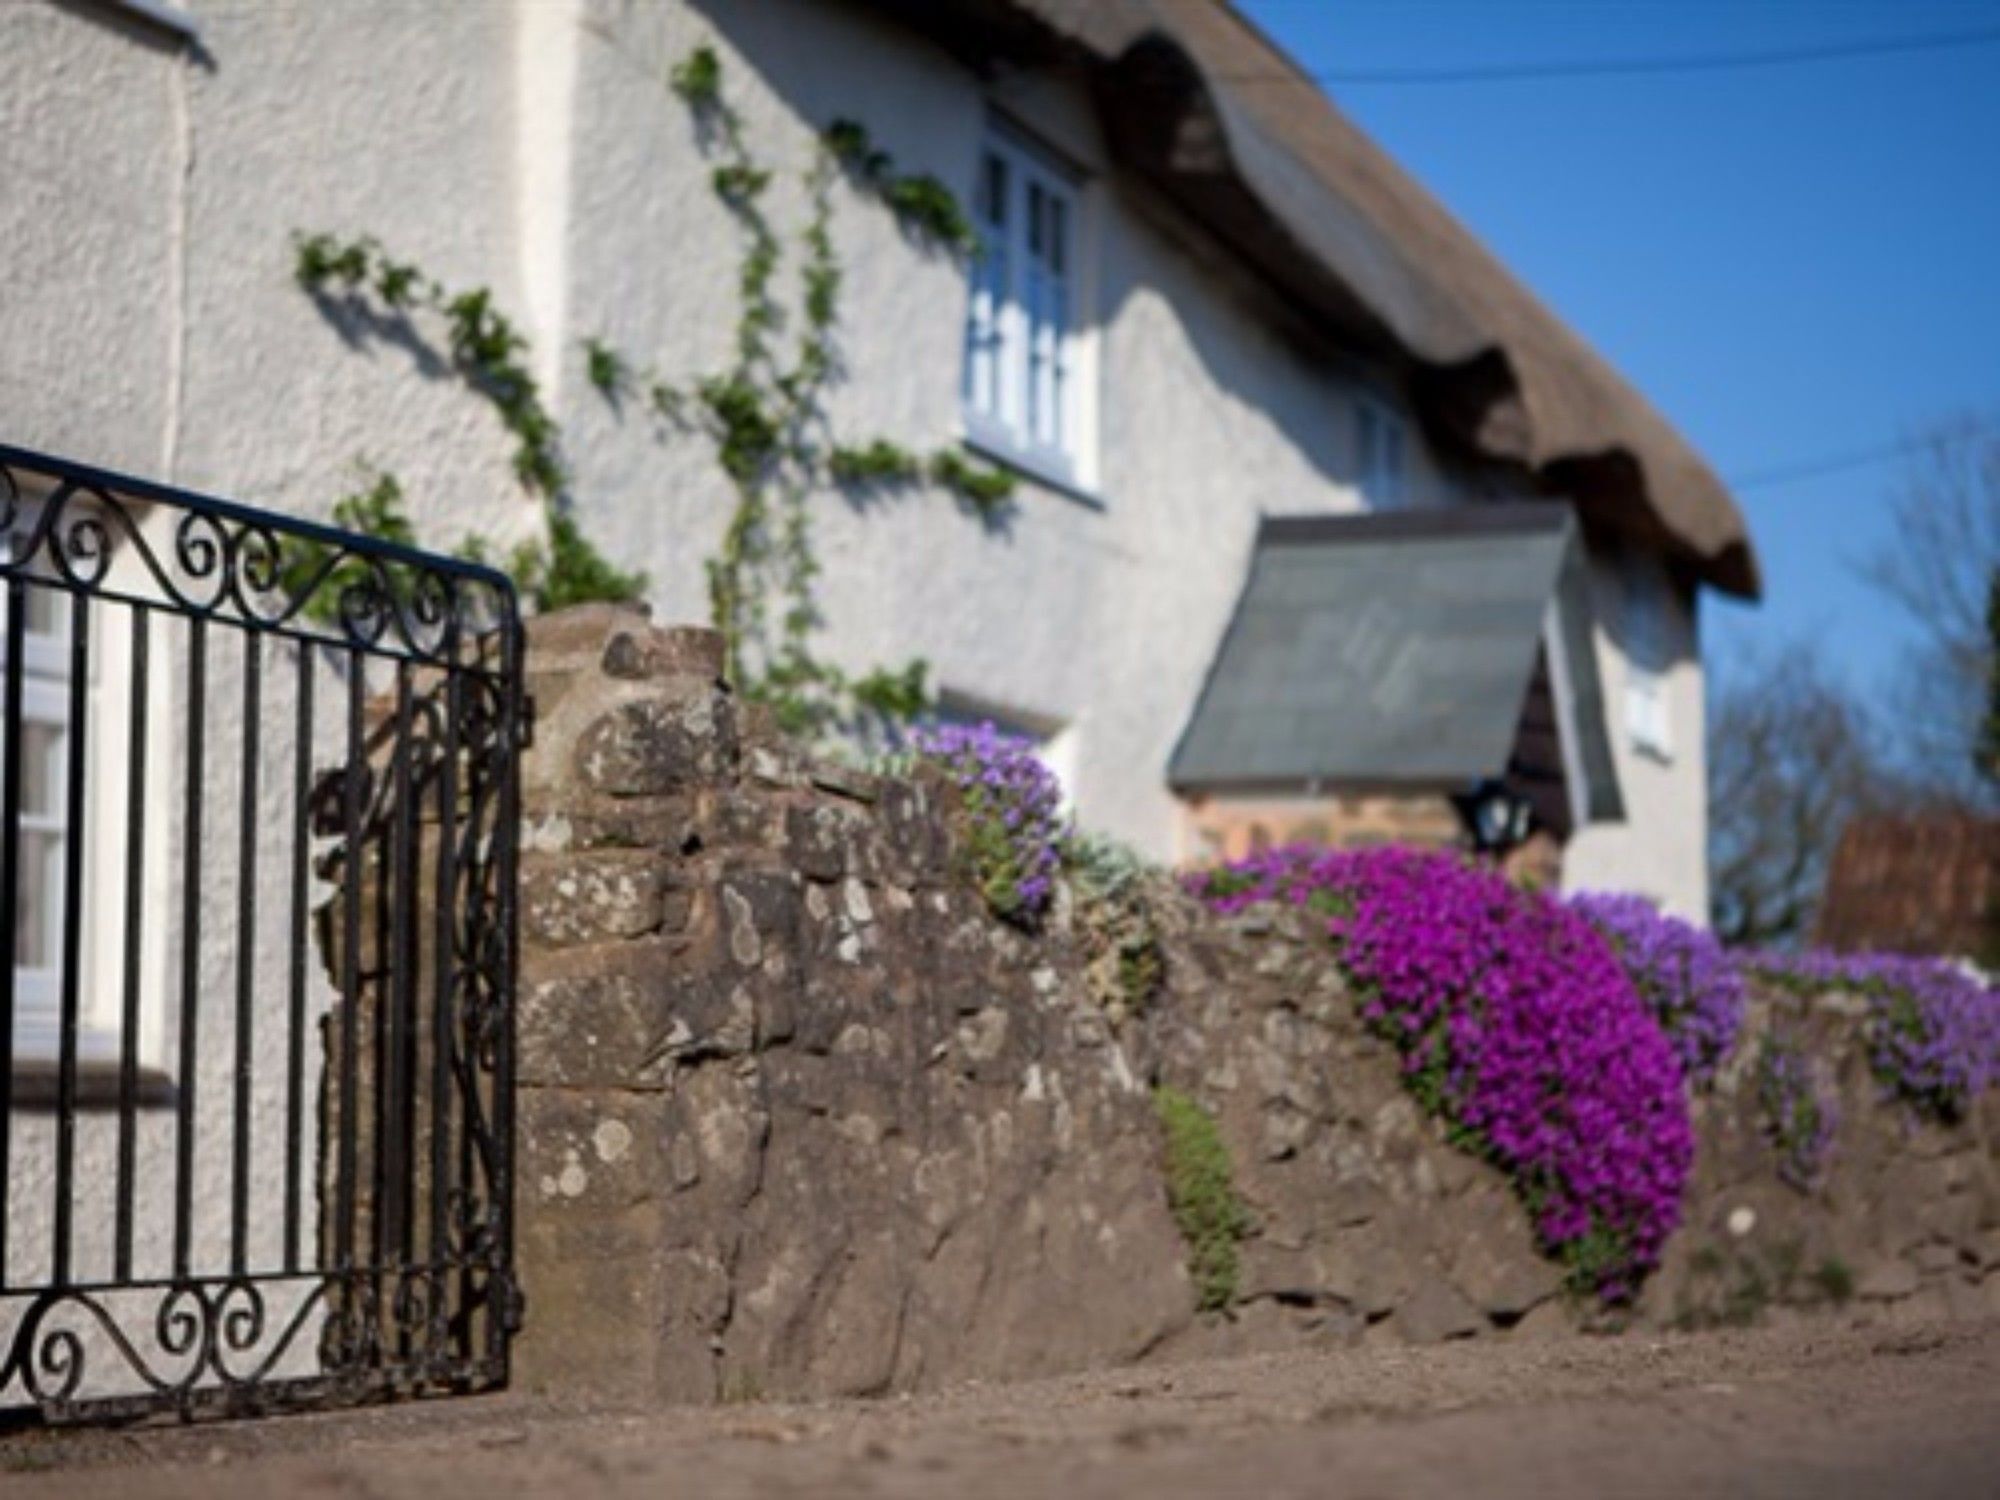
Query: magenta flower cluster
{"points": [[1517, 1027], [1014, 808], [1687, 978], [1933, 1029]]}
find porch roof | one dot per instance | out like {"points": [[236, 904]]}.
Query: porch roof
{"points": [[1395, 650]]}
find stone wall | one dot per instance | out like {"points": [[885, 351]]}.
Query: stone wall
{"points": [[799, 1117], [1363, 1219], [796, 1114], [1904, 1222]]}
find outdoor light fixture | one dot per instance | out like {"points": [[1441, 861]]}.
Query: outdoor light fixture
{"points": [[1496, 816]]}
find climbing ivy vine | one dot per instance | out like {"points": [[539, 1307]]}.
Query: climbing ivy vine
{"points": [[764, 411], [489, 354]]}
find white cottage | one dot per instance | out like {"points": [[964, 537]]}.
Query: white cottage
{"points": [[1207, 311]]}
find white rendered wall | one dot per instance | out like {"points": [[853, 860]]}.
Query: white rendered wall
{"points": [[1660, 850], [150, 321]]}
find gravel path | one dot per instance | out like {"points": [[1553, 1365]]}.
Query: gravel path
{"points": [[1909, 1412]]}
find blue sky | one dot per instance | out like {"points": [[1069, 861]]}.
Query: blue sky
{"points": [[1795, 263]]}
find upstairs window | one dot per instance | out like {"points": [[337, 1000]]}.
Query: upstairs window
{"points": [[1379, 460], [1020, 338], [1648, 654]]}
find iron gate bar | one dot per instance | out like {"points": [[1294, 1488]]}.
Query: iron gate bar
{"points": [[418, 1053], [10, 879]]}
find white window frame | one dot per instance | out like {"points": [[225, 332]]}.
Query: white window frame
{"points": [[1381, 454], [1648, 651], [1024, 368], [45, 689]]}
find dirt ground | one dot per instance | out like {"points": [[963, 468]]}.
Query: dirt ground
{"points": [[1912, 1412]]}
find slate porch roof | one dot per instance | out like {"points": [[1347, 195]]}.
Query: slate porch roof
{"points": [[1394, 651]]}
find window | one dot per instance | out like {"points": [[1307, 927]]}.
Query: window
{"points": [[1378, 448], [1648, 653], [1019, 384], [44, 741], [50, 841]]}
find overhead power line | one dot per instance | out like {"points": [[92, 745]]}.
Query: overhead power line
{"points": [[1614, 67], [1814, 468]]}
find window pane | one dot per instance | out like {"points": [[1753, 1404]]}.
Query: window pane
{"points": [[46, 611], [984, 327], [993, 191], [1379, 454], [36, 905], [1018, 322], [41, 769], [1059, 366]]}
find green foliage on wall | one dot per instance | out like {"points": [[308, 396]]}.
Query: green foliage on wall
{"points": [[490, 355], [765, 411], [311, 572], [1201, 1192], [924, 206]]}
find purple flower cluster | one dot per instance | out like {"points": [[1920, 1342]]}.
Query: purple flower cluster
{"points": [[1517, 1027], [1933, 1029], [1014, 806], [1680, 971], [1797, 1108]]}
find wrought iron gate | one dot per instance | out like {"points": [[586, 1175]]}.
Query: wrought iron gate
{"points": [[258, 814]]}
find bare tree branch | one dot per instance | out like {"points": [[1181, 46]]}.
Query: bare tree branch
{"points": [[1939, 571], [1791, 759]]}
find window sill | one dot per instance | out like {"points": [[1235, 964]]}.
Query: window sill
{"points": [[1048, 472], [38, 1083]]}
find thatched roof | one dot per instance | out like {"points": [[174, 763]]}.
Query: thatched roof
{"points": [[1198, 102]]}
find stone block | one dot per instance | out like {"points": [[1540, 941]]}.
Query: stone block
{"points": [[1493, 1257], [1435, 1312], [660, 743], [642, 653], [592, 898], [759, 914], [1887, 1281], [587, 1154], [596, 1297], [585, 1025]]}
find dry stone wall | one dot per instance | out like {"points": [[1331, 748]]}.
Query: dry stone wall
{"points": [[799, 1116], [1363, 1219], [1902, 1223]]}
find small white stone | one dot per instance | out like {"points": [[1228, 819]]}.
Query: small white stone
{"points": [[858, 905], [613, 1138], [573, 1180], [1742, 1219]]}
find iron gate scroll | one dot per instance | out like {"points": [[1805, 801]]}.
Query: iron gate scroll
{"points": [[258, 816]]}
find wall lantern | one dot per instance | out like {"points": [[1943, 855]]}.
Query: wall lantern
{"points": [[1496, 816]]}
